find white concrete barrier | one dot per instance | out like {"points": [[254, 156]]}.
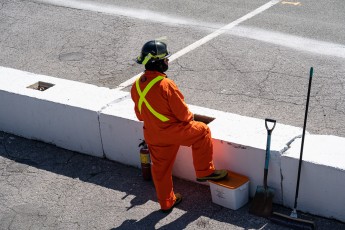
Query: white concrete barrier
{"points": [[240, 146], [101, 122], [121, 132], [322, 181], [66, 114], [239, 143]]}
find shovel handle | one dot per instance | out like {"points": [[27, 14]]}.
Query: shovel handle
{"points": [[268, 147], [266, 124]]}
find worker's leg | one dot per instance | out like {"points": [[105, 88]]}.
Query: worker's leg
{"points": [[202, 151], [163, 158], [197, 135]]}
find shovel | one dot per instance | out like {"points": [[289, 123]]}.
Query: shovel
{"points": [[262, 202]]}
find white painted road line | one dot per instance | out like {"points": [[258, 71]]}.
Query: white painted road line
{"points": [[141, 14], [272, 37], [223, 30], [290, 41], [208, 38], [152, 16]]}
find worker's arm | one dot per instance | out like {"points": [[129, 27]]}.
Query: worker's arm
{"points": [[177, 104], [137, 113], [134, 95]]}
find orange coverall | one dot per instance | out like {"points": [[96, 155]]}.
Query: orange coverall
{"points": [[165, 138]]}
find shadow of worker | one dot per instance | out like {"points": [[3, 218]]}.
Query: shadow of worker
{"points": [[148, 222]]}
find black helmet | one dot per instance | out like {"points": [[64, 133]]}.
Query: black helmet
{"points": [[152, 51]]}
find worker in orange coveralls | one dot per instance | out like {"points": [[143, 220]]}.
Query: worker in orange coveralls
{"points": [[168, 123]]}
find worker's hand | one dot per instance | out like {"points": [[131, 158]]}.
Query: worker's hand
{"points": [[202, 118]]}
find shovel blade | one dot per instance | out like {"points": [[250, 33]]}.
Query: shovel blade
{"points": [[262, 202]]}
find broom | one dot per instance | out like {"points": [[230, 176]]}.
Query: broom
{"points": [[293, 221]]}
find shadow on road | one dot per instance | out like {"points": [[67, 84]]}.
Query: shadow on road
{"points": [[197, 204]]}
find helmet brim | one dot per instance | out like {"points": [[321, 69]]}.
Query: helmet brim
{"points": [[140, 59]]}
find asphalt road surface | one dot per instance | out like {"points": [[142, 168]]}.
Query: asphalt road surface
{"points": [[45, 187], [257, 65]]}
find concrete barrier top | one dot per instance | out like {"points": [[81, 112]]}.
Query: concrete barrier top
{"points": [[232, 128], [57, 90], [247, 131], [320, 150]]}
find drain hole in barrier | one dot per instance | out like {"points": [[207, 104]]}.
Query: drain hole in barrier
{"points": [[204, 119], [41, 86]]}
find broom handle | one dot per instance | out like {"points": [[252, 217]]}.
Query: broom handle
{"points": [[267, 159], [303, 134]]}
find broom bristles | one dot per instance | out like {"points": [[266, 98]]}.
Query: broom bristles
{"points": [[295, 223]]}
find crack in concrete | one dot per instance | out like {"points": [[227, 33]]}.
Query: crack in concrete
{"points": [[100, 132], [99, 115], [288, 144], [282, 152]]}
